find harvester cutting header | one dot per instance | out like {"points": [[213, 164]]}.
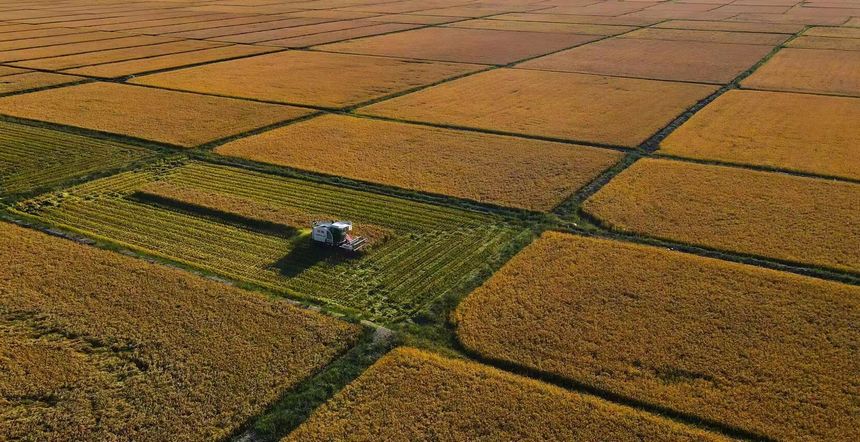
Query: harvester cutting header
{"points": [[337, 234]]}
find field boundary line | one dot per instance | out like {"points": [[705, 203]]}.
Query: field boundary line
{"points": [[669, 413], [797, 268]]}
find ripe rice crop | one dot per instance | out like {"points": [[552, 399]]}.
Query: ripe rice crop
{"points": [[304, 41], [813, 42], [800, 132], [147, 113], [114, 55], [789, 218], [34, 157], [123, 68], [314, 78], [430, 250], [776, 28], [285, 217], [78, 48], [754, 38], [620, 111], [699, 61], [98, 346], [768, 352], [819, 71], [528, 174], [413, 395], [33, 80], [463, 45], [535, 26]]}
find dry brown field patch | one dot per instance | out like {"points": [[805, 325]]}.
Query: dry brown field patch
{"points": [[312, 27], [740, 345], [573, 18], [416, 19], [413, 395], [569, 28], [699, 61], [796, 219], [528, 174], [147, 113], [591, 108], [462, 45], [98, 346], [753, 38], [332, 80], [304, 41], [799, 132], [712, 25]]}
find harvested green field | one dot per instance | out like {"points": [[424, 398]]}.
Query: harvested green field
{"points": [[432, 250], [34, 157]]}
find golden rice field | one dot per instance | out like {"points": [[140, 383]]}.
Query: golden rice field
{"points": [[561, 220], [527, 174], [94, 344], [412, 395], [736, 344], [788, 218]]}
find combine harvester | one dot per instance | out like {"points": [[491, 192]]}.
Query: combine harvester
{"points": [[336, 234]]}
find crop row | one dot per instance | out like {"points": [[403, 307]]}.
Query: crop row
{"points": [[33, 157], [428, 251]]}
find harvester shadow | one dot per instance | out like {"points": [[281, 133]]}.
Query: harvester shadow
{"points": [[306, 254], [255, 225]]}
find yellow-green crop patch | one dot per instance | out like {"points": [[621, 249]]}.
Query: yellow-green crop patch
{"points": [[421, 251], [34, 157]]}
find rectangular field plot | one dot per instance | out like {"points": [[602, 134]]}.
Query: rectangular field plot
{"points": [[33, 157], [755, 38], [411, 395], [177, 118], [333, 36], [314, 78], [255, 227], [98, 346], [33, 80], [131, 67], [820, 71], [698, 61], [527, 174], [80, 48], [618, 111], [736, 26], [795, 219], [462, 45], [813, 42], [741, 346], [800, 132], [112, 55], [535, 26]]}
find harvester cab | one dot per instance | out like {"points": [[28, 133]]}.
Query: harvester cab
{"points": [[337, 234]]}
